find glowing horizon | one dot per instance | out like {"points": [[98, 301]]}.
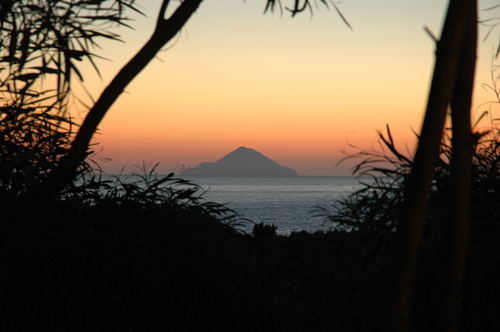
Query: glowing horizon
{"points": [[297, 90]]}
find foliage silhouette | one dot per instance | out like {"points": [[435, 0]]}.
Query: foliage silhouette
{"points": [[372, 215], [41, 153], [41, 41], [262, 230]]}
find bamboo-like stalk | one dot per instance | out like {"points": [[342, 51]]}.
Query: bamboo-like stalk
{"points": [[455, 239], [406, 248]]}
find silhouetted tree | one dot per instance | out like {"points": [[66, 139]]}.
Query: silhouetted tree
{"points": [[55, 34]]}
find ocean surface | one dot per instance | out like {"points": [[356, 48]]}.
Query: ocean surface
{"points": [[286, 202]]}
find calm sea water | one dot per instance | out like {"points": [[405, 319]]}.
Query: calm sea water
{"points": [[287, 202]]}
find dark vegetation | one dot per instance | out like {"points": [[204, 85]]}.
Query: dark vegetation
{"points": [[151, 254]]}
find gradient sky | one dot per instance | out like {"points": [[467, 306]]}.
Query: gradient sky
{"points": [[299, 90]]}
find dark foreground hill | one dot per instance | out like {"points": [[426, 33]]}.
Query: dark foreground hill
{"points": [[241, 162], [131, 268], [155, 270]]}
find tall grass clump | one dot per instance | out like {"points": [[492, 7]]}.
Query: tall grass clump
{"points": [[371, 214], [373, 208], [143, 251], [145, 189]]}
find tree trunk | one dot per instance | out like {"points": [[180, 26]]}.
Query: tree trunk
{"points": [[406, 247], [165, 30]]}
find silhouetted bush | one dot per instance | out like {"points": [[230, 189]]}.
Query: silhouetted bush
{"points": [[261, 229], [371, 214]]}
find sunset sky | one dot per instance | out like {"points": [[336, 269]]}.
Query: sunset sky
{"points": [[299, 90]]}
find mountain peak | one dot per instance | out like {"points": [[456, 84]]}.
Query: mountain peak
{"points": [[241, 162]]}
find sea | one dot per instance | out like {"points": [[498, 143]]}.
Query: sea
{"points": [[289, 203]]}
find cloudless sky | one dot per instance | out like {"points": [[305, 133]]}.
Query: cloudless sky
{"points": [[299, 90]]}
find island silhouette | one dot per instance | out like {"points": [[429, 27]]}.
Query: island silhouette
{"points": [[241, 162]]}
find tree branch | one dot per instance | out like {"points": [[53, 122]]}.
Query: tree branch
{"points": [[165, 30]]}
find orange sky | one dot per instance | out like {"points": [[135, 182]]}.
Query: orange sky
{"points": [[297, 90]]}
